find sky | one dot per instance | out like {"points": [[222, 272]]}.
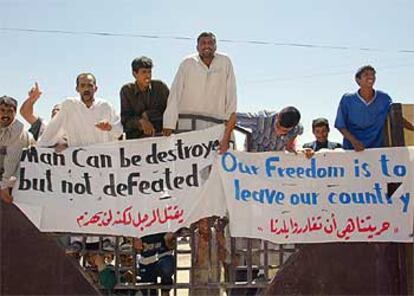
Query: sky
{"points": [[300, 53]]}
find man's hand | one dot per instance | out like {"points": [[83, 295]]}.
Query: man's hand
{"points": [[167, 132], [138, 244], [309, 153], [27, 108], [146, 127], [229, 126], [34, 93], [358, 146], [104, 126], [291, 146], [170, 240], [6, 196], [224, 145], [408, 125], [60, 147], [291, 150], [98, 261]]}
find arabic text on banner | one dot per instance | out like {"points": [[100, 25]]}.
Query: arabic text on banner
{"points": [[333, 197], [129, 188]]}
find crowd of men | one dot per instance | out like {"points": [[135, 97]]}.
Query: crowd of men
{"points": [[204, 86]]}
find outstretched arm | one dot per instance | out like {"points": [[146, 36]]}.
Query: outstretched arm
{"points": [[230, 124], [27, 109]]}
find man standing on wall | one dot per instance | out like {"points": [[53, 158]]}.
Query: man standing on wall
{"points": [[205, 87]]}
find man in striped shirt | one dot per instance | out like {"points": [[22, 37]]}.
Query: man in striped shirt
{"points": [[13, 138]]}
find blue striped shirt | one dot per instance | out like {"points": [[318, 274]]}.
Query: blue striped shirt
{"points": [[263, 126]]}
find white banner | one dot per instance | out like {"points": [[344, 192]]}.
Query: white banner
{"points": [[129, 188], [333, 197], [140, 187]]}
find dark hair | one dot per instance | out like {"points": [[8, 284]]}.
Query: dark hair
{"points": [[318, 122], [289, 117], [363, 69], [8, 101], [206, 34], [85, 74], [141, 62]]}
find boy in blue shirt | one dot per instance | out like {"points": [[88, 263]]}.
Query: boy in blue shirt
{"points": [[361, 115]]}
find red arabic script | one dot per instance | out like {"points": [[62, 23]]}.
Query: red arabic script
{"points": [[128, 216], [289, 226]]}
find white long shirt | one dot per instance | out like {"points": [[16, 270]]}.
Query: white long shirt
{"points": [[201, 90], [76, 123]]}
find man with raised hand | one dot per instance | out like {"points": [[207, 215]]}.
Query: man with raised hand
{"points": [[37, 124]]}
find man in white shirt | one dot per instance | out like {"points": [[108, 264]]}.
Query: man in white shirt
{"points": [[82, 122], [204, 86]]}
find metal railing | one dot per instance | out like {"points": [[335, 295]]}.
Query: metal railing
{"points": [[250, 263]]}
